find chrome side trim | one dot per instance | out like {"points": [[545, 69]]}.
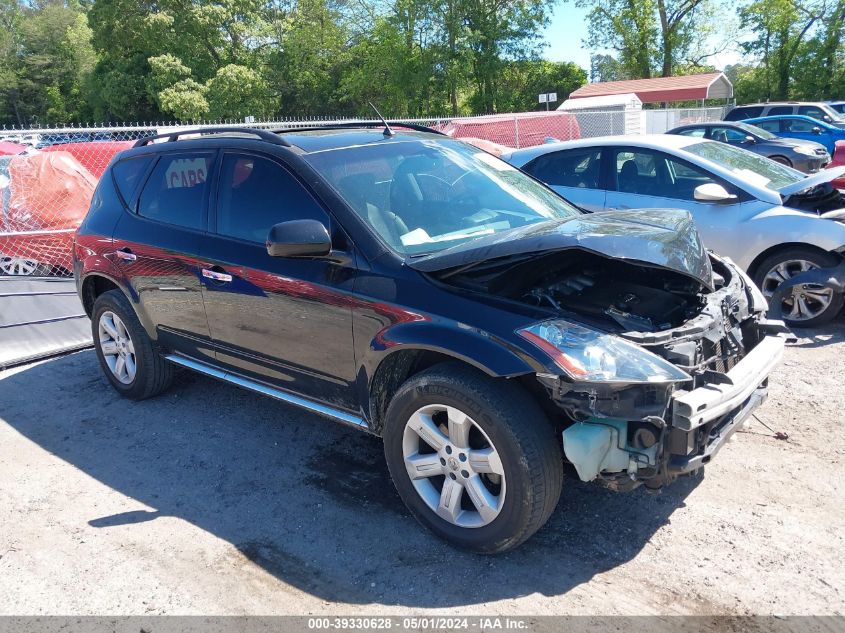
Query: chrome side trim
{"points": [[278, 394]]}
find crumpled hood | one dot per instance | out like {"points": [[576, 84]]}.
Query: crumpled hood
{"points": [[662, 238], [823, 176]]}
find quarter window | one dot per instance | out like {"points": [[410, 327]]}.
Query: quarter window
{"points": [[176, 190], [127, 175], [256, 193], [576, 168]]}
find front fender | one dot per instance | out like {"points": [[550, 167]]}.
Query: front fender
{"points": [[492, 355]]}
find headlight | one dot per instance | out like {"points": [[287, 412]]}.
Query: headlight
{"points": [[588, 355], [804, 149]]}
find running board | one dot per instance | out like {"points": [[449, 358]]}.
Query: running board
{"points": [[278, 394]]}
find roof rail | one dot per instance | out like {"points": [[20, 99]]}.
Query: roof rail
{"points": [[264, 135], [353, 124]]}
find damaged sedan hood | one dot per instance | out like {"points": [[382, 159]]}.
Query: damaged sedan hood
{"points": [[661, 238], [820, 178]]}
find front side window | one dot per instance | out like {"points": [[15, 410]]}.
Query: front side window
{"points": [[423, 195], [255, 193], [652, 173], [737, 114], [176, 190], [812, 111], [728, 135], [573, 168], [756, 169], [799, 126]]}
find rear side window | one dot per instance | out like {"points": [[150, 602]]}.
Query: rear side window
{"points": [[695, 131], [574, 168], [127, 175], [176, 190], [769, 126], [776, 110], [737, 114], [256, 193]]}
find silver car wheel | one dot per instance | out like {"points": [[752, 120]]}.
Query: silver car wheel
{"points": [[117, 347], [17, 266], [804, 301], [454, 466]]}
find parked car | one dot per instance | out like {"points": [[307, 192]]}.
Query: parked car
{"points": [[768, 218], [815, 110], [415, 287], [805, 156], [801, 128], [838, 160], [838, 106]]}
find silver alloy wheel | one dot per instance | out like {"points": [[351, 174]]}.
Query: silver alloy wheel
{"points": [[17, 266], [454, 466], [117, 347], [805, 301]]}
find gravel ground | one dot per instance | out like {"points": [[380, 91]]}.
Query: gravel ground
{"points": [[211, 500]]}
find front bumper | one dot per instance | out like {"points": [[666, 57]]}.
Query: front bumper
{"points": [[692, 409]]}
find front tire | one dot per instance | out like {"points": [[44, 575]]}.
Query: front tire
{"points": [[808, 306], [475, 460], [130, 360]]}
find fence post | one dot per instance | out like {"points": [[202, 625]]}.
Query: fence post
{"points": [[516, 130]]}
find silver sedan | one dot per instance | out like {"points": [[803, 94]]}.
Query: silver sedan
{"points": [[774, 221]]}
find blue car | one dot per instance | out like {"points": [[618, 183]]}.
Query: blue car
{"points": [[803, 127]]}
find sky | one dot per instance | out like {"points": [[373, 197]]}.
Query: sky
{"points": [[567, 31]]}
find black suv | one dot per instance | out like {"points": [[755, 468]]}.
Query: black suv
{"points": [[418, 288]]}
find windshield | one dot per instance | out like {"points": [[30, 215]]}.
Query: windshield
{"points": [[756, 131], [756, 169], [422, 196]]}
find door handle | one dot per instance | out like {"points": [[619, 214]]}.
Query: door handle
{"points": [[216, 276], [126, 255]]}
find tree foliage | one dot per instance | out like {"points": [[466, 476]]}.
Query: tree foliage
{"points": [[223, 59]]}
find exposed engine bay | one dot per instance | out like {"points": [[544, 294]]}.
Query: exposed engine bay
{"points": [[628, 433], [623, 296], [822, 199]]}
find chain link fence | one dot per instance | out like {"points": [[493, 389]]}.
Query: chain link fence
{"points": [[48, 175]]}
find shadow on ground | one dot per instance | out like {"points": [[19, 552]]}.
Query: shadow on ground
{"points": [[819, 337], [307, 500]]}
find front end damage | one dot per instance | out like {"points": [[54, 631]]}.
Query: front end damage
{"points": [[627, 434], [662, 349]]}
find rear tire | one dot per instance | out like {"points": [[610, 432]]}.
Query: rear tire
{"points": [[490, 453], [130, 359], [815, 306]]}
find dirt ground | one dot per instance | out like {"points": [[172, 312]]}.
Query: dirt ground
{"points": [[211, 500]]}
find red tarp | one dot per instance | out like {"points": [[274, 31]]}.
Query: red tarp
{"points": [[95, 156]]}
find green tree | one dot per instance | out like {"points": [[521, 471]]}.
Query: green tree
{"points": [[779, 29]]}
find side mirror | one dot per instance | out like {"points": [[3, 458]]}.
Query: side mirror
{"points": [[712, 192], [817, 130], [750, 140], [299, 238]]}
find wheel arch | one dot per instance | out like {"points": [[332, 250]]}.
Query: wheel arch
{"points": [[95, 284], [384, 371], [761, 257]]}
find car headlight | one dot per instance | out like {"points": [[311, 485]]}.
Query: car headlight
{"points": [[592, 356], [806, 150]]}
